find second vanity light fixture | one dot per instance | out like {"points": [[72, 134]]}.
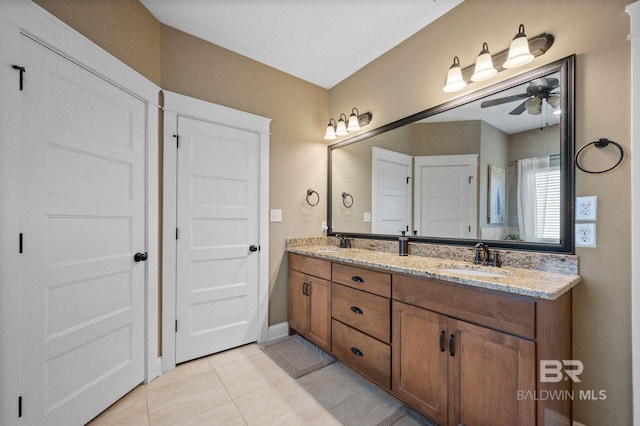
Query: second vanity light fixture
{"points": [[343, 127], [521, 52]]}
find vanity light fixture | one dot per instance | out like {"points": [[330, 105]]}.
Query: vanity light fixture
{"points": [[341, 128], [484, 65], [353, 120], [455, 81], [521, 52], [331, 130], [356, 121]]}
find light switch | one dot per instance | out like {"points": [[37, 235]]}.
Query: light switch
{"points": [[276, 215]]}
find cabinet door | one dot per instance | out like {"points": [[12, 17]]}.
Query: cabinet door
{"points": [[298, 302], [420, 360], [486, 372], [319, 293]]}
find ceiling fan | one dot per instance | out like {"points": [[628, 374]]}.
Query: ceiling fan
{"points": [[537, 90]]}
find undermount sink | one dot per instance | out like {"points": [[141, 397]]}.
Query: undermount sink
{"points": [[473, 272]]}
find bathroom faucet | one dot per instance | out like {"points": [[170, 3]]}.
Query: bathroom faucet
{"points": [[485, 257], [344, 241]]}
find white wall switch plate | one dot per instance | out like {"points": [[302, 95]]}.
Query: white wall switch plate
{"points": [[367, 217], [324, 226], [587, 208], [276, 215], [585, 234]]}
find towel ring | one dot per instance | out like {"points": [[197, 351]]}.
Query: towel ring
{"points": [[346, 203], [600, 143], [310, 192]]}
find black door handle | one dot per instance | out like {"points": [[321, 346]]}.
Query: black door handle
{"points": [[140, 257], [451, 345], [253, 248], [442, 333]]}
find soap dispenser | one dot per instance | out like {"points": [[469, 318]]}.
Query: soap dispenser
{"points": [[403, 244]]}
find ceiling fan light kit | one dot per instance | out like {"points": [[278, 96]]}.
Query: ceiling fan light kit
{"points": [[521, 52]]}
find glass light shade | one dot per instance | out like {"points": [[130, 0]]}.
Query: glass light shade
{"points": [[455, 81], [533, 106], [341, 128], [519, 53], [353, 124], [554, 101], [330, 134], [484, 65]]}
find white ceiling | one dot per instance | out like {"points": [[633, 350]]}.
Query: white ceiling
{"points": [[320, 41]]}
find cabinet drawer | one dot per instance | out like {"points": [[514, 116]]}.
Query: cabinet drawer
{"points": [[363, 311], [310, 266], [365, 354], [363, 279], [512, 314]]}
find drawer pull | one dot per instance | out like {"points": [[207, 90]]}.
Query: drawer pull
{"points": [[357, 279], [356, 310], [357, 351], [442, 333]]}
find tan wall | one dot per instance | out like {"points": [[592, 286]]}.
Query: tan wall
{"points": [[409, 79]]}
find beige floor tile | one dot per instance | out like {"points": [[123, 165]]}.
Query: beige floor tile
{"points": [[240, 353], [226, 414], [285, 403], [255, 372], [185, 398], [131, 409]]}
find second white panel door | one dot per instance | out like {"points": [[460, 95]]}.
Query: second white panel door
{"points": [[218, 234]]}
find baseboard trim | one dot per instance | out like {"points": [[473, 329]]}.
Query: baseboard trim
{"points": [[277, 331]]}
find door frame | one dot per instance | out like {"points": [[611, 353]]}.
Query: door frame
{"points": [[24, 18], [176, 105]]}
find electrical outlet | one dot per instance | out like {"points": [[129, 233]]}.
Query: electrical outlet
{"points": [[586, 208], [585, 234]]}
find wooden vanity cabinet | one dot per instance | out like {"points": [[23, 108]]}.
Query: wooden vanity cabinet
{"points": [[310, 299], [457, 360]]}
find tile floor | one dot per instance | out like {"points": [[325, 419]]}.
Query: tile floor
{"points": [[242, 386]]}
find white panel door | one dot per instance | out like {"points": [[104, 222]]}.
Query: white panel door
{"points": [[217, 217], [82, 300], [390, 191], [445, 200]]}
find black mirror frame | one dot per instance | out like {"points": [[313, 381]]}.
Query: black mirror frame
{"points": [[566, 67]]}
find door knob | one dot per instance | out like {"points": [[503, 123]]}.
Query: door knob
{"points": [[253, 248], [140, 257]]}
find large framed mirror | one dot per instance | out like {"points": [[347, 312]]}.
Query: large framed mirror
{"points": [[495, 165]]}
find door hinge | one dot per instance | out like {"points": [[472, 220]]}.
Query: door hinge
{"points": [[408, 178], [22, 71], [176, 326], [20, 244], [20, 406], [470, 177], [177, 140], [469, 228], [177, 233]]}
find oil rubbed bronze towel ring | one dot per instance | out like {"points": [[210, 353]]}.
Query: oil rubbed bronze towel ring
{"points": [[347, 200], [600, 144], [310, 192]]}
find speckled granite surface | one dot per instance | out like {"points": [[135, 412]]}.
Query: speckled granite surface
{"points": [[518, 280]]}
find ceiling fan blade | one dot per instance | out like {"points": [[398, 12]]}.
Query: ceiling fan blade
{"points": [[500, 101], [518, 110]]}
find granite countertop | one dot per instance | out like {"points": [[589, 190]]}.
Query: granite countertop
{"points": [[526, 282]]}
